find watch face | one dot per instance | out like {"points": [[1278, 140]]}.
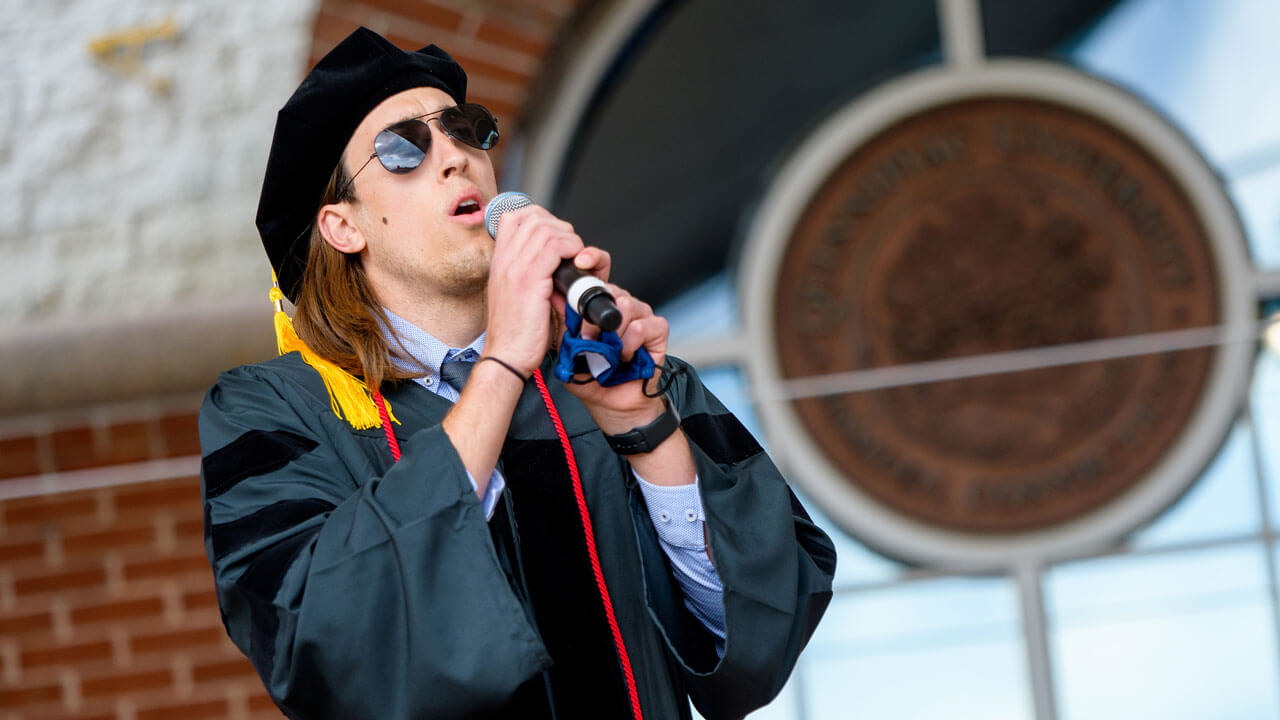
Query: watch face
{"points": [[646, 438]]}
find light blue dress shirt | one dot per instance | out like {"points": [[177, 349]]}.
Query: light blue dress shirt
{"points": [[676, 512]]}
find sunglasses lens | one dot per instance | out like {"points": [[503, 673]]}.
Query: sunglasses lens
{"points": [[402, 146], [471, 124]]}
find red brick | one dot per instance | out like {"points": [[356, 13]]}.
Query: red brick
{"points": [[21, 551], [117, 610], [205, 709], [262, 701], [15, 696], [59, 581], [424, 12], [129, 442], [19, 456], [505, 111], [73, 448], [198, 600], [166, 566], [177, 639], [105, 539], [125, 682], [96, 713], [187, 529], [328, 30], [80, 448], [66, 654], [476, 65], [224, 669], [181, 435], [45, 508], [26, 623], [550, 14], [182, 493], [498, 33]]}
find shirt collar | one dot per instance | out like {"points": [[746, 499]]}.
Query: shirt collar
{"points": [[428, 351]]}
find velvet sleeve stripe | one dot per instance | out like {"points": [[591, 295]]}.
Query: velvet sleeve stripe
{"points": [[256, 452], [722, 437], [259, 585], [812, 539], [270, 520]]}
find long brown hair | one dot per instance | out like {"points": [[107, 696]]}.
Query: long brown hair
{"points": [[337, 314]]}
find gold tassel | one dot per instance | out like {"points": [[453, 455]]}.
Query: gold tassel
{"points": [[348, 395]]}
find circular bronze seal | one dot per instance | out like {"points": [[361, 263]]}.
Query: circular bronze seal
{"points": [[989, 225]]}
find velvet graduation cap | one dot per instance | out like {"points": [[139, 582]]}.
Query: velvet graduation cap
{"points": [[312, 129]]}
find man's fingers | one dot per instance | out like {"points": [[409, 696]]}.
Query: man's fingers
{"points": [[595, 261]]}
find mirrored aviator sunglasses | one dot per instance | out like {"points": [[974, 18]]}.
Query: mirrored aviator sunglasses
{"points": [[403, 146]]}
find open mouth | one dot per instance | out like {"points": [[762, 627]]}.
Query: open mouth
{"points": [[466, 207]]}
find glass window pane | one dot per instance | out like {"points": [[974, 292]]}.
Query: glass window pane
{"points": [[1257, 199], [1185, 635], [708, 310], [949, 649], [1222, 503], [1207, 65], [1265, 407]]}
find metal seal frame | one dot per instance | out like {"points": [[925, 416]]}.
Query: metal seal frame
{"points": [[800, 177]]}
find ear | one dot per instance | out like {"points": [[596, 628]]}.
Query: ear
{"points": [[337, 226]]}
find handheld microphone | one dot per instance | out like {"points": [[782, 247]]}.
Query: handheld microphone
{"points": [[585, 293]]}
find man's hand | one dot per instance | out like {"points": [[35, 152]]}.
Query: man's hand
{"points": [[530, 244], [622, 407]]}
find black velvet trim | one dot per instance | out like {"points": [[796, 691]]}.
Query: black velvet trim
{"points": [[253, 453], [812, 539], [692, 640], [722, 437], [274, 518], [259, 585], [586, 679]]}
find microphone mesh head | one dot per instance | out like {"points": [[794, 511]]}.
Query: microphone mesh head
{"points": [[503, 202]]}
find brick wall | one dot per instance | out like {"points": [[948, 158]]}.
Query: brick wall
{"points": [[106, 600], [501, 43]]}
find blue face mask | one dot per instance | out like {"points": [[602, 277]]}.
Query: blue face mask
{"points": [[602, 359]]}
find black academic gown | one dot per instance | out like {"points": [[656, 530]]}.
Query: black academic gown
{"points": [[363, 588]]}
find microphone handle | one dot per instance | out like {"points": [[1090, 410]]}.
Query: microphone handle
{"points": [[587, 294]]}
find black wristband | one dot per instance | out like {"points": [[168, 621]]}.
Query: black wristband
{"points": [[505, 365], [646, 438]]}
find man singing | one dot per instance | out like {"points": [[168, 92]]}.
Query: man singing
{"points": [[409, 516]]}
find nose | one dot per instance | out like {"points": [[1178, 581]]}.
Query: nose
{"points": [[453, 156]]}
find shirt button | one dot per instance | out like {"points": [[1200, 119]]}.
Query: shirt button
{"points": [[690, 515], [664, 516]]}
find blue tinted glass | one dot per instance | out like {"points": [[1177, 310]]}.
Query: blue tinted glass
{"points": [[395, 153], [947, 648], [1265, 407], [1257, 197], [1207, 65], [1223, 502], [1186, 635]]}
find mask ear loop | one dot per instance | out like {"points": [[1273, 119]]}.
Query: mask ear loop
{"points": [[664, 383]]}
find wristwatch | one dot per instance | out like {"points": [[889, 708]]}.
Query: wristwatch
{"points": [[646, 438]]}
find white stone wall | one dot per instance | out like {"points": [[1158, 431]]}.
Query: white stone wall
{"points": [[115, 199]]}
